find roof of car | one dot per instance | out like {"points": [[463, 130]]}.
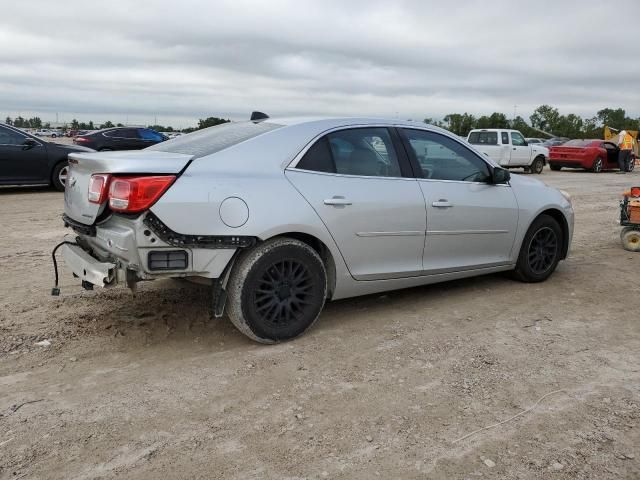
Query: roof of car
{"points": [[330, 122]]}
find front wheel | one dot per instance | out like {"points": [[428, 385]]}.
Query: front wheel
{"points": [[59, 176], [538, 165], [597, 165], [630, 239], [540, 250], [277, 290]]}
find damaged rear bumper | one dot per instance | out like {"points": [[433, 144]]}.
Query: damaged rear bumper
{"points": [[87, 268]]}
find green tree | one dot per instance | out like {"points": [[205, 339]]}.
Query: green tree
{"points": [[8, 121], [107, 124], [211, 122], [460, 124], [545, 117], [612, 118], [75, 125]]}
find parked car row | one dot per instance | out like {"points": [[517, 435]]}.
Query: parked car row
{"points": [[29, 160]]}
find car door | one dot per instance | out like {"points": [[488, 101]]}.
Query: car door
{"points": [[470, 222], [520, 151], [361, 186], [21, 163]]}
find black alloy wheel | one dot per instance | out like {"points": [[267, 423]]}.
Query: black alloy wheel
{"points": [[540, 251], [277, 290], [543, 250], [284, 294]]}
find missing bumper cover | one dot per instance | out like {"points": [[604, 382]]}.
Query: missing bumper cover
{"points": [[199, 241]]}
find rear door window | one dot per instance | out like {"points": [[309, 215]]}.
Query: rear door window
{"points": [[483, 138], [505, 138]]}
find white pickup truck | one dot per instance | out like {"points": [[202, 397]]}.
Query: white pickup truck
{"points": [[509, 149]]}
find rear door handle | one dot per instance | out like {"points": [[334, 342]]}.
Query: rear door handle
{"points": [[442, 203], [337, 201]]}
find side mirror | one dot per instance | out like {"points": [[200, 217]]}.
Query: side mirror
{"points": [[500, 176], [29, 143]]}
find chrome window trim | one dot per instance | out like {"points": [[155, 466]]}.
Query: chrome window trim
{"points": [[302, 170]]}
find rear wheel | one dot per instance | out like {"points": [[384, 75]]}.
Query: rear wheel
{"points": [[597, 165], [632, 163], [540, 250], [277, 291], [538, 165], [555, 168], [59, 176], [630, 239]]}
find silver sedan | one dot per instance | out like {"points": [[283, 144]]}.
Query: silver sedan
{"points": [[280, 215]]}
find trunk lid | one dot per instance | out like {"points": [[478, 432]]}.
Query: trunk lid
{"points": [[561, 153], [83, 165]]}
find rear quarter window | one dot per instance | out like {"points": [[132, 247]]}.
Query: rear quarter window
{"points": [[214, 139], [483, 138]]}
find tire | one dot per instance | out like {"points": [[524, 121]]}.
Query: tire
{"points": [[538, 165], [59, 175], [598, 163], [632, 164], [555, 168], [540, 250], [630, 239], [259, 290]]}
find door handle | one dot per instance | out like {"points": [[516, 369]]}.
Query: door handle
{"points": [[337, 201], [442, 203], [514, 148]]}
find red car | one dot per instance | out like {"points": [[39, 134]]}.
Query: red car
{"points": [[594, 155]]}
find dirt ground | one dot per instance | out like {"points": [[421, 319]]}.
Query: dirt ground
{"points": [[148, 387]]}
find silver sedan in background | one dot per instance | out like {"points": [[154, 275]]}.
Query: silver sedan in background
{"points": [[281, 215]]}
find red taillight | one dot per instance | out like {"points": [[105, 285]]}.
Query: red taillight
{"points": [[80, 139], [134, 194], [98, 187]]}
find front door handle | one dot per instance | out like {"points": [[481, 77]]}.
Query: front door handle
{"points": [[337, 201], [442, 203]]}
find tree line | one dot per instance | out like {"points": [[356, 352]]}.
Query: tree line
{"points": [[36, 122], [545, 118]]}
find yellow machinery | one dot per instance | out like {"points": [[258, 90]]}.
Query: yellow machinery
{"points": [[611, 135]]}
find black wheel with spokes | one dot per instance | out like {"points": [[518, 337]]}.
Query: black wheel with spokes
{"points": [[540, 251], [277, 291], [597, 166]]}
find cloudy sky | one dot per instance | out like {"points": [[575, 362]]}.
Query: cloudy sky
{"points": [[178, 61]]}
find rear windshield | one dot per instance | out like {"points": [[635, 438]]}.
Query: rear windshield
{"points": [[213, 139], [483, 138], [579, 143]]}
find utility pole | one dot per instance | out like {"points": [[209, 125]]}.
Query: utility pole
{"points": [[515, 110]]}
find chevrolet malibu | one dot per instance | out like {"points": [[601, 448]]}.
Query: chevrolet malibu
{"points": [[279, 216]]}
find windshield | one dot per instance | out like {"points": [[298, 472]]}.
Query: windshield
{"points": [[213, 139], [483, 138]]}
